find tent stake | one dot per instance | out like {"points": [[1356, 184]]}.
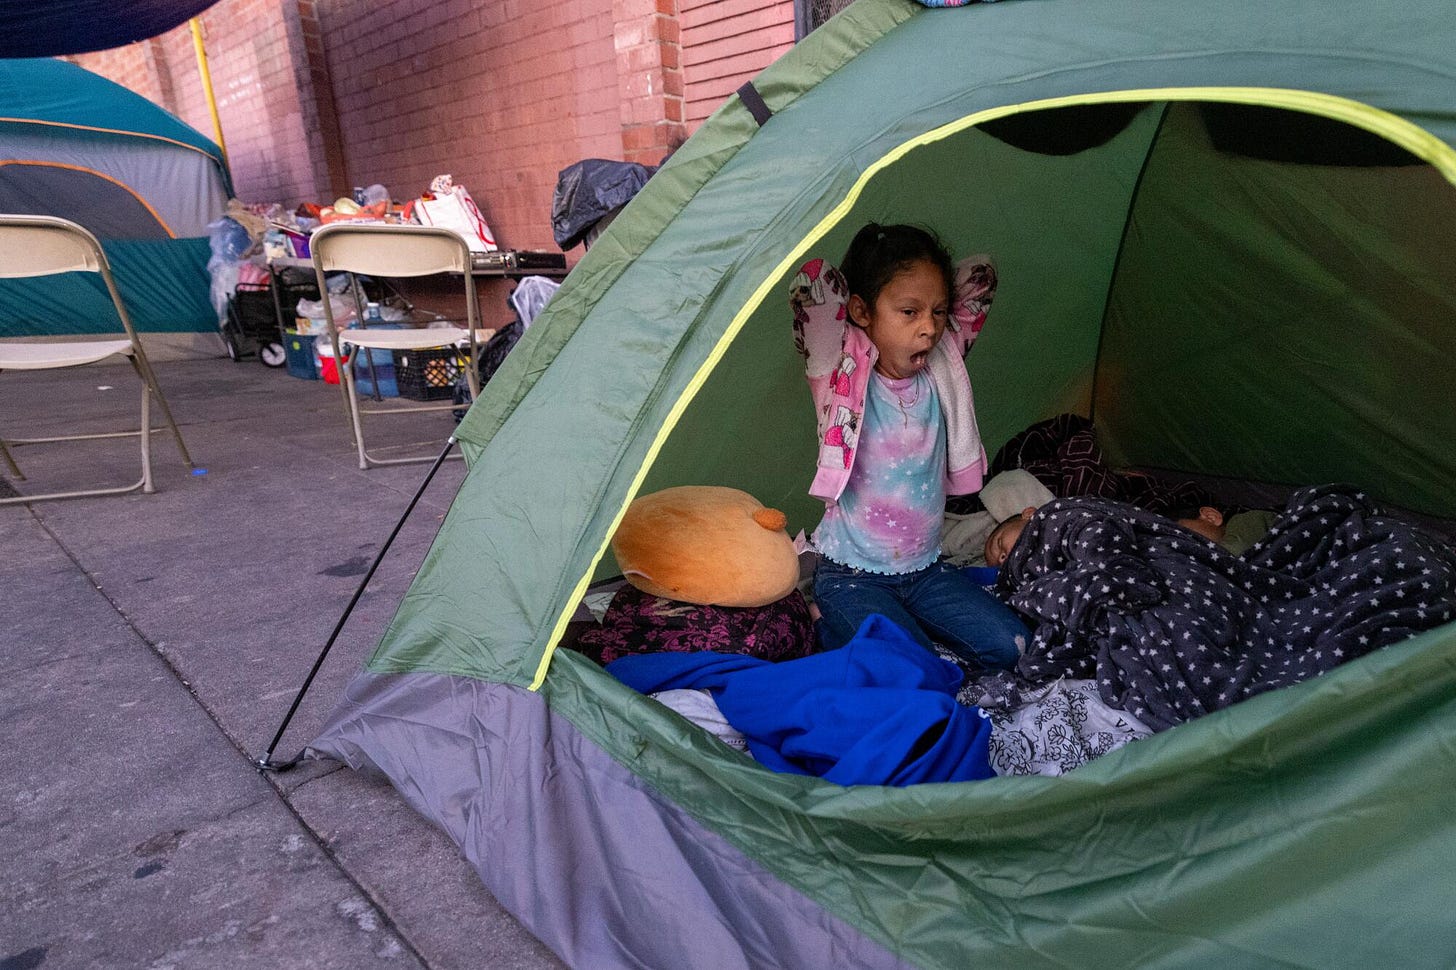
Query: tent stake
{"points": [[266, 763]]}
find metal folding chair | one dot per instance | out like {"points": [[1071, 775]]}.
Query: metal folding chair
{"points": [[44, 246], [395, 251]]}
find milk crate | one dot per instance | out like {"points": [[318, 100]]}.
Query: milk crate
{"points": [[428, 375]]}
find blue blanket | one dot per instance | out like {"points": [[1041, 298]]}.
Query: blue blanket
{"points": [[880, 710]]}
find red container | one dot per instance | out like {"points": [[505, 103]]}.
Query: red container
{"points": [[329, 370]]}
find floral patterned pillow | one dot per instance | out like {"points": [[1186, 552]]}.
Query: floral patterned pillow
{"points": [[637, 622]]}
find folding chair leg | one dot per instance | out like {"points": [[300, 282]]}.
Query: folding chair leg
{"points": [[144, 434], [144, 370], [146, 431], [472, 373], [346, 378], [10, 460], [347, 388], [350, 381]]}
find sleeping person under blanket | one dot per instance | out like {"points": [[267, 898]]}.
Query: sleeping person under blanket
{"points": [[1236, 534], [1171, 625]]}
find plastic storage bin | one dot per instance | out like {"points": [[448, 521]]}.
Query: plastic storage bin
{"points": [[302, 361]]}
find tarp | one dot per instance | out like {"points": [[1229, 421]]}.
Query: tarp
{"points": [[29, 29], [75, 145], [590, 190], [1277, 312]]}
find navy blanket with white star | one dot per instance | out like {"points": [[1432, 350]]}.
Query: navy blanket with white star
{"points": [[1172, 626]]}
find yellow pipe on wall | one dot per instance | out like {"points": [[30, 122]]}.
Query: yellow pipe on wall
{"points": [[196, 25]]}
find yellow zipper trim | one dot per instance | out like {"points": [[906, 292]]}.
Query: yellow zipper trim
{"points": [[1392, 128]]}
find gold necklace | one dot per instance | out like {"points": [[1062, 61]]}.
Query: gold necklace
{"points": [[914, 400]]}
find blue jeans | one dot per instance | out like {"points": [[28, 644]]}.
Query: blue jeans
{"points": [[937, 603]]}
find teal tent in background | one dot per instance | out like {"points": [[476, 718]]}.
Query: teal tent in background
{"points": [[75, 145], [1226, 232]]}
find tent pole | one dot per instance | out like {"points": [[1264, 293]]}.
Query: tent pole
{"points": [[266, 763], [196, 24]]}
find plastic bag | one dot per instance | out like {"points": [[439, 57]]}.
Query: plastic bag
{"points": [[451, 206], [589, 191], [343, 308], [253, 274], [530, 297], [527, 300], [228, 241], [224, 283]]}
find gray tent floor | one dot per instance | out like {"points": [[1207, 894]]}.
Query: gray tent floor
{"points": [[150, 646]]}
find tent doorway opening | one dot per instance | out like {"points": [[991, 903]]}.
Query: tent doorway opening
{"points": [[1226, 289]]}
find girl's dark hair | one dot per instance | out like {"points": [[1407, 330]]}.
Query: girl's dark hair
{"points": [[879, 252]]}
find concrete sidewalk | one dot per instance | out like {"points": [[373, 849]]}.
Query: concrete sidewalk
{"points": [[150, 646]]}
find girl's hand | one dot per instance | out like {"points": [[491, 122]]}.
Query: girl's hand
{"points": [[976, 282]]}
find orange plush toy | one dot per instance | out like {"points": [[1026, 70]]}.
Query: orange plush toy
{"points": [[707, 545]]}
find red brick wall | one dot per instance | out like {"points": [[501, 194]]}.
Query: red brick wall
{"points": [[501, 95], [258, 99], [648, 42], [274, 155], [727, 42], [317, 96]]}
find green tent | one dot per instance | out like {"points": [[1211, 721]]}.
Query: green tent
{"points": [[1227, 233], [75, 145]]}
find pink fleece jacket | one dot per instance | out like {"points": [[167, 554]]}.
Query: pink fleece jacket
{"points": [[839, 358]]}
